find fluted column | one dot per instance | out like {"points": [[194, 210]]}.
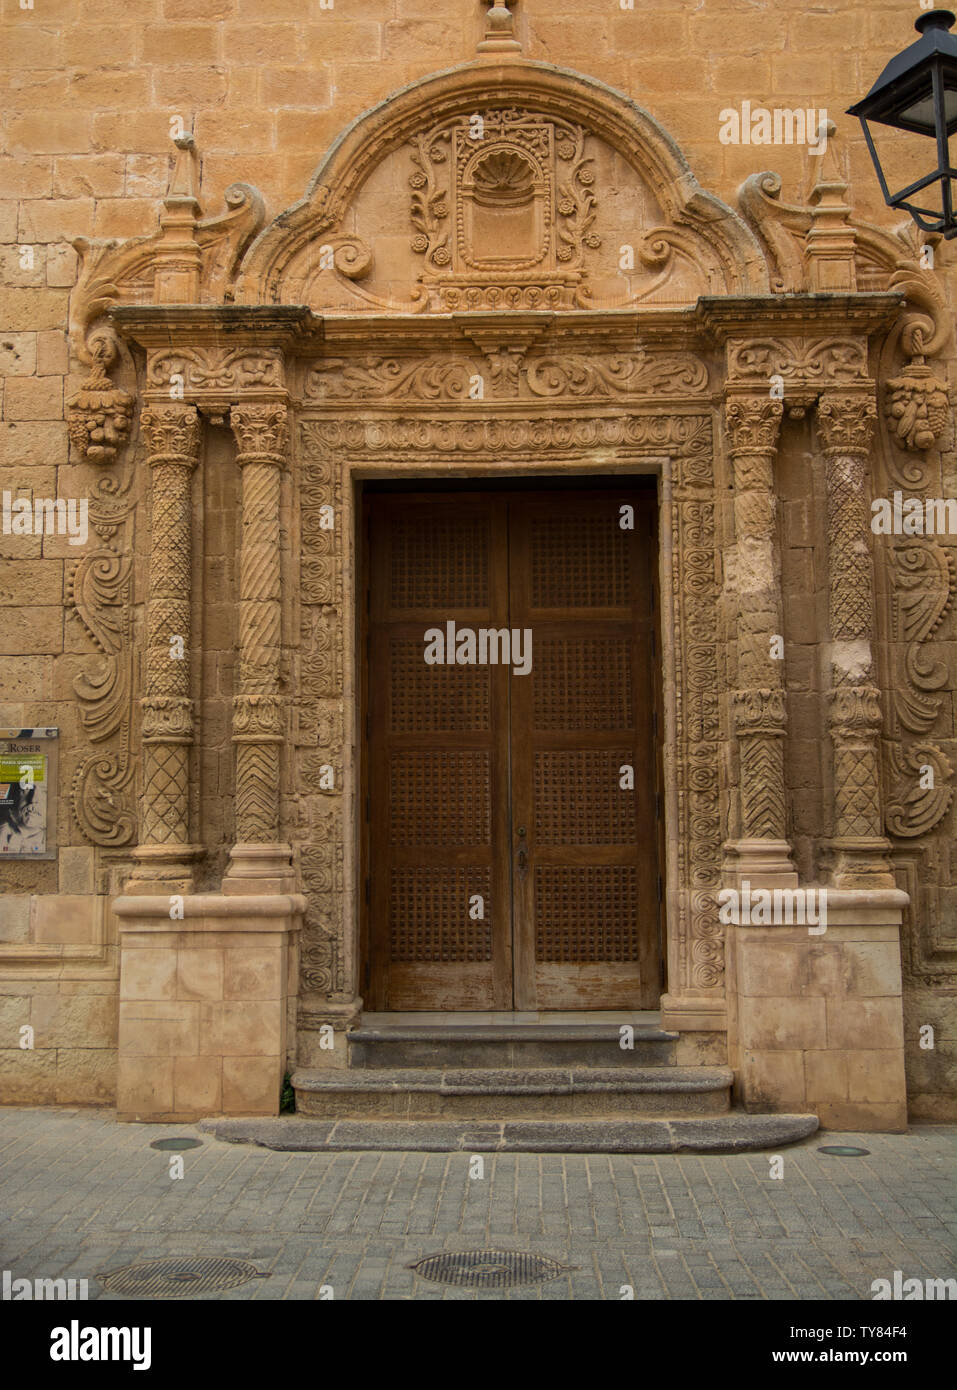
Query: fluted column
{"points": [[172, 432], [858, 850], [763, 854], [261, 432]]}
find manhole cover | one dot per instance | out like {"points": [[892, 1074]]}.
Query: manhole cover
{"points": [[174, 1145], [488, 1269], [844, 1151], [176, 1278]]}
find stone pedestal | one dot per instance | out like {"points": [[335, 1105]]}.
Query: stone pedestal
{"points": [[206, 1004], [816, 1020]]}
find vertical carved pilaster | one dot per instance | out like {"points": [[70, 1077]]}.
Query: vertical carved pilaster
{"points": [[758, 707], [262, 436], [858, 850], [172, 432]]}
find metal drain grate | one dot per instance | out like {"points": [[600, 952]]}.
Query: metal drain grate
{"points": [[174, 1278], [488, 1269]]}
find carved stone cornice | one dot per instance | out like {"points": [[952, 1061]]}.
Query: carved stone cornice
{"points": [[262, 432], [846, 423], [799, 316]]}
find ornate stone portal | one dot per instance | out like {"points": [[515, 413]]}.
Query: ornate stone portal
{"points": [[555, 293]]}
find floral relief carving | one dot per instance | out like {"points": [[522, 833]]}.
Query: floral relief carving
{"points": [[215, 369], [100, 594], [922, 795], [444, 378], [805, 361]]}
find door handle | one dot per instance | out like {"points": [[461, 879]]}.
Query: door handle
{"points": [[522, 861]]}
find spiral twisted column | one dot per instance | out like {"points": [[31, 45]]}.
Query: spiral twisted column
{"points": [[858, 849], [172, 431], [262, 435], [759, 720]]}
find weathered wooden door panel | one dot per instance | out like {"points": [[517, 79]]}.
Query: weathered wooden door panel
{"points": [[488, 784], [585, 872], [438, 775]]}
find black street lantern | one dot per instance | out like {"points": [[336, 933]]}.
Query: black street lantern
{"points": [[917, 92]]}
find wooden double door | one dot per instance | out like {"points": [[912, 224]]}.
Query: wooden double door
{"points": [[512, 844]]}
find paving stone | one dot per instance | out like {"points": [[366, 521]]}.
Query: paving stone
{"points": [[90, 1195]]}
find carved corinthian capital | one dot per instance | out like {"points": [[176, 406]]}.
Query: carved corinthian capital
{"points": [[262, 431], [172, 431], [753, 426], [846, 423]]}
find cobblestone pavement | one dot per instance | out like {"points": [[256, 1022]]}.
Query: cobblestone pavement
{"points": [[80, 1193]]}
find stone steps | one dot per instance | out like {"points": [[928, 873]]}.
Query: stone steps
{"points": [[716, 1134], [507, 1093], [508, 1045]]}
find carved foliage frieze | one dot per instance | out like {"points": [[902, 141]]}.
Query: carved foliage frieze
{"points": [[444, 378]]}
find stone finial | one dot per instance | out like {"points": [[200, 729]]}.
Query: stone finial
{"points": [[499, 29], [831, 239]]}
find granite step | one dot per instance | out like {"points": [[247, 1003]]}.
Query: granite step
{"points": [[736, 1132], [500, 1093], [508, 1045]]}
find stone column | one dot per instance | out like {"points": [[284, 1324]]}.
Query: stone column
{"points": [[172, 431], [858, 850], [261, 432], [762, 854]]}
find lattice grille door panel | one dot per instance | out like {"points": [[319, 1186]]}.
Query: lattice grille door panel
{"points": [[439, 914], [584, 768]]}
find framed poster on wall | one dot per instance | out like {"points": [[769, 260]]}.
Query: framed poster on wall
{"points": [[28, 793]]}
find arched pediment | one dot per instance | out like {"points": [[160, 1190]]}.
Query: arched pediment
{"points": [[518, 186]]}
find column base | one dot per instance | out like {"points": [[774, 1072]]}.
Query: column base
{"points": [[858, 862], [163, 869], [691, 1013], [764, 863], [312, 1038], [260, 869]]}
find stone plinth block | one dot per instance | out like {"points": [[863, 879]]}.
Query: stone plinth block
{"points": [[816, 1016], [204, 1003]]}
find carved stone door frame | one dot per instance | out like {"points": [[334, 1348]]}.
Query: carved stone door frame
{"points": [[676, 448]]}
